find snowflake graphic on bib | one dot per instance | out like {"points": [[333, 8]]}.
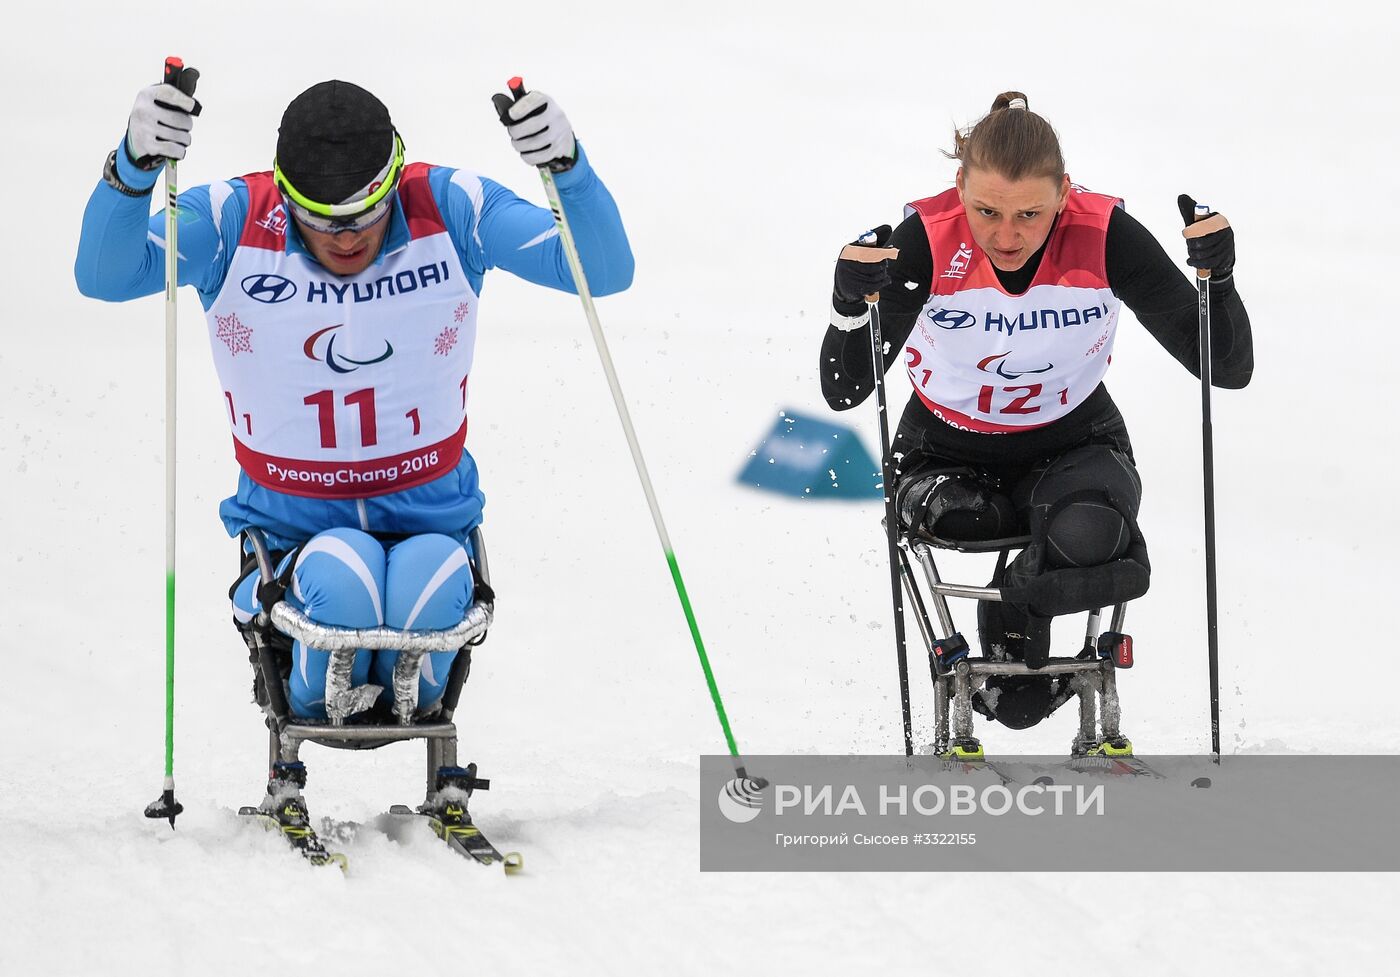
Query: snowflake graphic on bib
{"points": [[235, 335], [445, 341]]}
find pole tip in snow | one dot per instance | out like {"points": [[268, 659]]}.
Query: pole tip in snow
{"points": [[741, 770], [746, 792], [166, 806]]}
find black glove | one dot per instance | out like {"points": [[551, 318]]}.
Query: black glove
{"points": [[857, 279], [1215, 251]]}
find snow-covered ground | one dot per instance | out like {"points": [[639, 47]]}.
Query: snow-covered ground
{"points": [[744, 143]]}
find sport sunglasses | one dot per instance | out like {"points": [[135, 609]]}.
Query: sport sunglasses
{"points": [[355, 215]]}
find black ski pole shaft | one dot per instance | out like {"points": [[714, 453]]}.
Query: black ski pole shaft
{"points": [[901, 648], [1208, 473], [860, 252]]}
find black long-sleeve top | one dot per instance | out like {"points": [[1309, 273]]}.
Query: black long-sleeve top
{"points": [[1140, 274]]}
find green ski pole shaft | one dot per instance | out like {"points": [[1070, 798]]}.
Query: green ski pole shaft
{"points": [[551, 190], [172, 260], [166, 806]]}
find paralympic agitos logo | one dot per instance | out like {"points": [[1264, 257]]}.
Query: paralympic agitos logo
{"points": [[985, 365], [269, 289], [336, 361]]}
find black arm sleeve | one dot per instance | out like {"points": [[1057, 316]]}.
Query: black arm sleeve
{"points": [[846, 370], [1164, 301]]}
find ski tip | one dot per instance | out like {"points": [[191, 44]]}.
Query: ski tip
{"points": [[513, 862], [323, 859]]}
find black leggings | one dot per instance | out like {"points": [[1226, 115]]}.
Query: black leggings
{"points": [[1089, 492], [1078, 501]]}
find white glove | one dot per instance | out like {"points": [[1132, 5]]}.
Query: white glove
{"points": [[160, 124], [539, 130]]}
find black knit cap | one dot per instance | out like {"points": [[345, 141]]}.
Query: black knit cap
{"points": [[334, 139]]}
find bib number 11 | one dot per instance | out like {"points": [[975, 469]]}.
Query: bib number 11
{"points": [[324, 402]]}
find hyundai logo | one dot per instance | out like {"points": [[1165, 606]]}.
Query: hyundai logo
{"points": [[952, 319], [270, 289]]}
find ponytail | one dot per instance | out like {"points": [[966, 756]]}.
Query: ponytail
{"points": [[1010, 140]]}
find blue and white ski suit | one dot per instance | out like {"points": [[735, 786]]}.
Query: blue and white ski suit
{"points": [[235, 244]]}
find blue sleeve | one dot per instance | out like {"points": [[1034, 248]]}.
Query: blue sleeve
{"points": [[121, 251], [494, 228]]}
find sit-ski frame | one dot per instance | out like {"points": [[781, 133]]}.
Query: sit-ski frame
{"points": [[287, 734], [1094, 680]]}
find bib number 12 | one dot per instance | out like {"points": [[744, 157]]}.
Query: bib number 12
{"points": [[1021, 402]]}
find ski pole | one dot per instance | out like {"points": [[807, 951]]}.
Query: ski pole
{"points": [[166, 806], [867, 253], [1200, 228], [503, 103]]}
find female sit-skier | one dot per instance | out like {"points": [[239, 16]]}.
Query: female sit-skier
{"points": [[1002, 304]]}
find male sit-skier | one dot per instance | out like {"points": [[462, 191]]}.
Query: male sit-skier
{"points": [[341, 290]]}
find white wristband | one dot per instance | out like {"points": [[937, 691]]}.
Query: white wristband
{"points": [[850, 323]]}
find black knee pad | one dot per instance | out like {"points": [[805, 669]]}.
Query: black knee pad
{"points": [[956, 505], [996, 521], [1038, 583], [1086, 533]]}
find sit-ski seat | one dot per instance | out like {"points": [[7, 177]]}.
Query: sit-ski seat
{"points": [[353, 723]]}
